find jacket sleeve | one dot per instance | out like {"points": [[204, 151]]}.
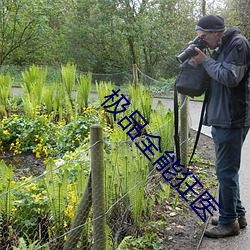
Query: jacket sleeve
{"points": [[232, 69]]}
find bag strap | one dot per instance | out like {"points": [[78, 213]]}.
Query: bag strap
{"points": [[176, 124], [199, 127], [201, 118]]}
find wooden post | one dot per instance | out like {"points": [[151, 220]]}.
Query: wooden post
{"points": [[135, 74], [98, 195], [184, 130]]}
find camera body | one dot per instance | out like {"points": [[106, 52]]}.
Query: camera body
{"points": [[190, 51]]}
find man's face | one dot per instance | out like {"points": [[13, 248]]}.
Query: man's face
{"points": [[211, 38]]}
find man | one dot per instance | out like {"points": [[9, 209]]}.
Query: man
{"points": [[228, 112]]}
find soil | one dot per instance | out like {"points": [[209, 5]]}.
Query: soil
{"points": [[25, 164]]}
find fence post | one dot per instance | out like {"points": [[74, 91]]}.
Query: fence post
{"points": [[98, 195], [184, 130], [135, 74]]}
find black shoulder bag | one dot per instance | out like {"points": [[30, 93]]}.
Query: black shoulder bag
{"points": [[191, 81]]}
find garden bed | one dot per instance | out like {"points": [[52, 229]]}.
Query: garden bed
{"points": [[143, 212], [174, 225]]}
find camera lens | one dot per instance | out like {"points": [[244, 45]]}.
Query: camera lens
{"points": [[190, 51], [187, 53]]}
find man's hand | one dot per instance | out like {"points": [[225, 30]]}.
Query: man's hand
{"points": [[200, 58]]}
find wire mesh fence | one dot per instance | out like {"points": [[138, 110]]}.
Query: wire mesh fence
{"points": [[56, 209]]}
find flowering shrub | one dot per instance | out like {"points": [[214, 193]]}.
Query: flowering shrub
{"points": [[43, 137], [29, 206], [48, 204]]}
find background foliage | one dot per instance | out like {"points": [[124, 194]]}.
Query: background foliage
{"points": [[106, 36]]}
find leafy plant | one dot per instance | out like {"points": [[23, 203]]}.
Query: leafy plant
{"points": [[176, 201], [125, 176], [57, 190], [43, 137], [34, 81], [162, 124], [22, 245], [55, 197], [141, 100], [68, 74], [147, 241], [48, 98], [5, 90], [62, 104], [105, 89], [83, 91], [30, 208], [6, 184]]}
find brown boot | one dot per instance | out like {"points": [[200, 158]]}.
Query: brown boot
{"points": [[221, 230], [241, 219]]}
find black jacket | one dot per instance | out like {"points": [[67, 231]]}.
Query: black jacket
{"points": [[229, 90]]}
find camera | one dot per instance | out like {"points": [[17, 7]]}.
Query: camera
{"points": [[190, 51]]}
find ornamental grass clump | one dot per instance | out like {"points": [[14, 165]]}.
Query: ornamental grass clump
{"points": [[5, 91], [68, 75], [83, 91], [33, 85]]}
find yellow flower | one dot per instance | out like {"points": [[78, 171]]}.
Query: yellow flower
{"points": [[26, 178], [73, 199], [14, 209], [38, 155], [31, 186], [16, 152], [6, 132], [37, 196], [45, 151], [69, 211]]}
